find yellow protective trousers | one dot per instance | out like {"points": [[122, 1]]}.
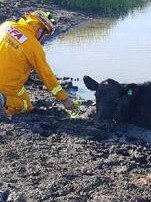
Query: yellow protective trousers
{"points": [[18, 104]]}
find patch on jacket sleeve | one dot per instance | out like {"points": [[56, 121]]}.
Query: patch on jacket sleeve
{"points": [[21, 38]]}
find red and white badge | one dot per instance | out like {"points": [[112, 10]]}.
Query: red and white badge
{"points": [[21, 38]]}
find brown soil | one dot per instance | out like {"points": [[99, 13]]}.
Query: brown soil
{"points": [[48, 156]]}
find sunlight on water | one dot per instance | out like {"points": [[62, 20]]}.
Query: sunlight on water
{"points": [[109, 48]]}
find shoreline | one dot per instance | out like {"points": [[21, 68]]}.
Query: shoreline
{"points": [[66, 19]]}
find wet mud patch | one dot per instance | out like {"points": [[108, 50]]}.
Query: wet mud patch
{"points": [[48, 118], [48, 156], [70, 167]]}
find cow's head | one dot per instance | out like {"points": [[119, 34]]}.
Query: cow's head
{"points": [[114, 101]]}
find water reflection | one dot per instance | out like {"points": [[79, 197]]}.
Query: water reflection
{"points": [[94, 30], [112, 48]]}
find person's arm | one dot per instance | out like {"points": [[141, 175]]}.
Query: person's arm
{"points": [[36, 57], [46, 74]]}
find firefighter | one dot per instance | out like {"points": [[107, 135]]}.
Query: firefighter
{"points": [[21, 52]]}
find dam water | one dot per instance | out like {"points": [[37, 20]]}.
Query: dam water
{"points": [[110, 48]]}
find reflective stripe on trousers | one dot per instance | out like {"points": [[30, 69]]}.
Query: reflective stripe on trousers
{"points": [[25, 103], [25, 106]]}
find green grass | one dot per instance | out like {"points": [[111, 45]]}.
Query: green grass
{"points": [[105, 6]]}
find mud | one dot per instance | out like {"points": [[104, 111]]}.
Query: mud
{"points": [[48, 156], [66, 20]]}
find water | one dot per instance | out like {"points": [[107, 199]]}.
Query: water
{"points": [[111, 48]]}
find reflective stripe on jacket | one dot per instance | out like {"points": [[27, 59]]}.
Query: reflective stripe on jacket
{"points": [[21, 92], [20, 53]]}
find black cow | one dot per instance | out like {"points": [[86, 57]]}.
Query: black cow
{"points": [[118, 103]]}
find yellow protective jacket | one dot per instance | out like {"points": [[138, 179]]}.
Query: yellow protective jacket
{"points": [[20, 53]]}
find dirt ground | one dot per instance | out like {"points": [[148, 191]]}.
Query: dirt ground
{"points": [[48, 156]]}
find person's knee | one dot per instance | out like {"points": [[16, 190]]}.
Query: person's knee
{"points": [[15, 105]]}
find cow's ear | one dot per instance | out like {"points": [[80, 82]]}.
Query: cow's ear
{"points": [[132, 89], [90, 83], [112, 82]]}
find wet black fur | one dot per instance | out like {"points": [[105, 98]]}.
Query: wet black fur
{"points": [[130, 103]]}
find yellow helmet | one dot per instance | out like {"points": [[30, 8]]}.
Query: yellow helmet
{"points": [[45, 18]]}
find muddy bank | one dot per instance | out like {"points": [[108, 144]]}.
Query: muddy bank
{"points": [[48, 156], [12, 10]]}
